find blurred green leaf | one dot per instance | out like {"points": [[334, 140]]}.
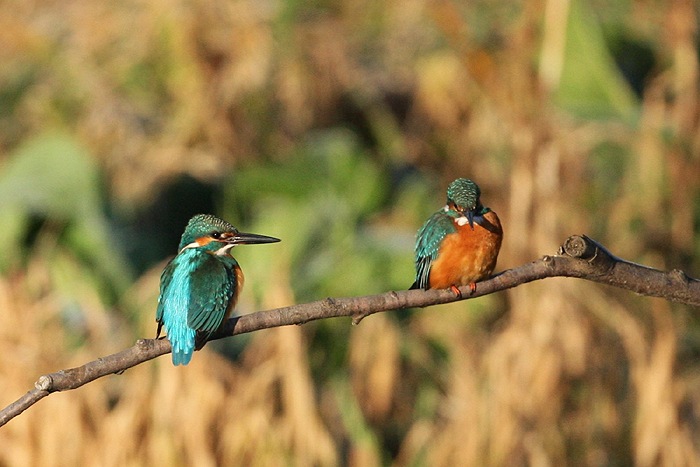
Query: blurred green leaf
{"points": [[591, 84], [51, 178]]}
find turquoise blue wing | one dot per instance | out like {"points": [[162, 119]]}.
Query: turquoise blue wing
{"points": [[212, 288], [428, 242]]}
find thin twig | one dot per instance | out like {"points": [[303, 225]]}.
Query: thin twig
{"points": [[578, 257]]}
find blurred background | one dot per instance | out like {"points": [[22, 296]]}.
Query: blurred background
{"points": [[336, 126]]}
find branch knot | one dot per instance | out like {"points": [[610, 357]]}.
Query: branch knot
{"points": [[44, 383], [579, 246]]}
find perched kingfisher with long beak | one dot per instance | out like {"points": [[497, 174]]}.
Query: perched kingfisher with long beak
{"points": [[459, 244], [199, 287]]}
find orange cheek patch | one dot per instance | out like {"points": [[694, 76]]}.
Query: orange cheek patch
{"points": [[201, 241]]}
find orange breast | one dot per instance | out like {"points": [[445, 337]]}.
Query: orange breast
{"points": [[239, 285], [467, 255]]}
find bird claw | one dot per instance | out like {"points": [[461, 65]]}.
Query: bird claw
{"points": [[456, 291]]}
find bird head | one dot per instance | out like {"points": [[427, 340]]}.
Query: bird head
{"points": [[216, 235], [463, 196]]}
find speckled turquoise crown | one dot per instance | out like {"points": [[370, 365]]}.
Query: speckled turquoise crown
{"points": [[202, 225], [464, 193]]}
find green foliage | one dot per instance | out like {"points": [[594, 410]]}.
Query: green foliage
{"points": [[51, 176], [591, 85], [50, 190]]}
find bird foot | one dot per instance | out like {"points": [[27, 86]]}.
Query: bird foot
{"points": [[458, 294]]}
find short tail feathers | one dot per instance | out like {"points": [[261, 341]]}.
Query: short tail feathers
{"points": [[181, 357], [182, 341]]}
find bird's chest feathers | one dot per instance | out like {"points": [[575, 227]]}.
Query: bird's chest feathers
{"points": [[467, 255]]}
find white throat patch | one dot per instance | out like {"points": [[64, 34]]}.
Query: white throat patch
{"points": [[190, 245], [224, 250]]}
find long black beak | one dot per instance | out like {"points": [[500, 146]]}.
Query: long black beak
{"points": [[470, 218], [251, 239]]}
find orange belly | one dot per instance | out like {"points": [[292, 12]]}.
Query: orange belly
{"points": [[240, 279], [467, 255]]}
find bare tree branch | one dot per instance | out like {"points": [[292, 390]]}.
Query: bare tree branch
{"points": [[578, 257]]}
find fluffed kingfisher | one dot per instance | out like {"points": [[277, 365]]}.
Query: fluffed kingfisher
{"points": [[199, 287], [459, 244]]}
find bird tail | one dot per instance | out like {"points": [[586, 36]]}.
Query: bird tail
{"points": [[182, 341], [181, 357]]}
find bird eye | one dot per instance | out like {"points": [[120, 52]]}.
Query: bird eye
{"points": [[216, 235]]}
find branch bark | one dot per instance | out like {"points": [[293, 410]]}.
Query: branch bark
{"points": [[578, 257]]}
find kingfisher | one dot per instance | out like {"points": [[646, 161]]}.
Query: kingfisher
{"points": [[199, 287], [459, 244]]}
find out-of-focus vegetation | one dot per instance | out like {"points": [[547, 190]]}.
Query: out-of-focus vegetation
{"points": [[336, 126]]}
